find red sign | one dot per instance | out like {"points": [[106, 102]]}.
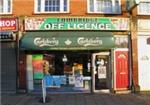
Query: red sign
{"points": [[8, 24]]}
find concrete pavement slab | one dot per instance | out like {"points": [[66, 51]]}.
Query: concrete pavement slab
{"points": [[76, 99]]}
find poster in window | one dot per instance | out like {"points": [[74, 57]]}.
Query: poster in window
{"points": [[78, 81], [37, 62], [71, 80], [101, 72]]}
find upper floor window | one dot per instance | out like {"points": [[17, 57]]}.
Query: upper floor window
{"points": [[5, 6], [144, 8], [51, 6], [104, 6]]}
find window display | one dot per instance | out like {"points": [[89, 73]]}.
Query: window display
{"points": [[71, 75]]}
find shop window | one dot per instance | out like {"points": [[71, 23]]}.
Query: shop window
{"points": [[104, 6], [148, 41], [5, 6], [144, 8], [121, 42], [51, 6]]}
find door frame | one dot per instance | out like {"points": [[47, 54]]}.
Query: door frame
{"points": [[114, 72], [93, 70]]}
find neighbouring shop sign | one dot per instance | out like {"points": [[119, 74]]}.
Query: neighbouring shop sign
{"points": [[77, 23], [144, 25], [8, 24]]}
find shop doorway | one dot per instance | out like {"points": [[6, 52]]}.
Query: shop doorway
{"points": [[101, 72]]}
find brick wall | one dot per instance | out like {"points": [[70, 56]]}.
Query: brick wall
{"points": [[77, 8]]}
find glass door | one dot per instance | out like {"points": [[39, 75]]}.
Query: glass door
{"points": [[101, 71]]}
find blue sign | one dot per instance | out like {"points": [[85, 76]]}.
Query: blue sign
{"points": [[54, 81]]}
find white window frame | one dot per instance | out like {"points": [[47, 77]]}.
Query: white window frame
{"points": [[143, 13], [113, 9], [43, 7], [5, 7]]}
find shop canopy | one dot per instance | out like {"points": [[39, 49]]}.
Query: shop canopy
{"points": [[87, 40]]}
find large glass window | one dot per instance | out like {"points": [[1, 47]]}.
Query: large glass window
{"points": [[144, 8], [51, 6], [67, 71], [104, 6], [5, 6]]}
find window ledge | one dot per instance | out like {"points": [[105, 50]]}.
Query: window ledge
{"points": [[144, 14], [37, 13], [6, 14], [103, 13]]}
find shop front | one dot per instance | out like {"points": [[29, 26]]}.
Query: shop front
{"points": [[67, 57], [78, 60], [8, 45], [144, 53]]}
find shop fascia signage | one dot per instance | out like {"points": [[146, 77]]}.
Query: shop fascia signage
{"points": [[81, 41], [8, 24], [77, 23], [143, 25]]}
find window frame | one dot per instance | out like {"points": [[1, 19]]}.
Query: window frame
{"points": [[97, 12], [145, 12], [5, 7], [43, 7]]}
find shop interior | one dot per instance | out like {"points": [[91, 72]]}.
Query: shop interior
{"points": [[70, 70]]}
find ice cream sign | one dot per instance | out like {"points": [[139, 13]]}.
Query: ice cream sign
{"points": [[76, 23], [8, 24]]}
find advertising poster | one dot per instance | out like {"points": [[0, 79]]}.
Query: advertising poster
{"points": [[56, 81], [78, 81], [71, 80], [63, 79], [102, 72], [37, 62]]}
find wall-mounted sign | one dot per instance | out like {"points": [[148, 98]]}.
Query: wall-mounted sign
{"points": [[76, 23], [144, 25], [8, 24]]}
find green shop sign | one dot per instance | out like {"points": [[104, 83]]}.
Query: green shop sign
{"points": [[77, 23]]}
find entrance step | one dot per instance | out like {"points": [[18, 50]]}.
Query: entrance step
{"points": [[123, 91]]}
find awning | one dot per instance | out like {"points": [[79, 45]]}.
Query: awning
{"points": [[67, 40]]}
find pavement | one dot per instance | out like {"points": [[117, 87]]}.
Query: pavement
{"points": [[76, 99]]}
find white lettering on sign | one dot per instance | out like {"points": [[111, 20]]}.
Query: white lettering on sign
{"points": [[54, 26], [7, 23], [101, 26], [41, 42], [89, 41]]}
